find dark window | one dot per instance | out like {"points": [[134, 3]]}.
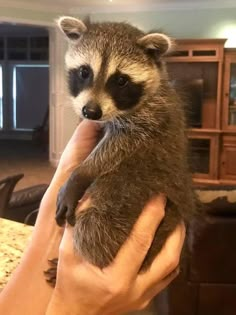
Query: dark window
{"points": [[198, 53]]}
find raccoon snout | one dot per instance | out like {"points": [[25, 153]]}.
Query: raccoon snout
{"points": [[92, 111]]}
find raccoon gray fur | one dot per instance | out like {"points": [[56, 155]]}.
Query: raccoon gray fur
{"points": [[117, 77]]}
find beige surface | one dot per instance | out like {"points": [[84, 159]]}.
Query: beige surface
{"points": [[14, 237]]}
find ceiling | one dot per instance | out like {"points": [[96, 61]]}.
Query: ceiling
{"points": [[116, 5], [99, 3]]}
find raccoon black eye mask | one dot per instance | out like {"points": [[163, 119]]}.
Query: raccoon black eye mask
{"points": [[143, 151], [79, 79], [125, 93], [120, 87]]}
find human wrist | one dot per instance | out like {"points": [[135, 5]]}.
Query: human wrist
{"points": [[62, 305], [47, 226], [60, 177]]}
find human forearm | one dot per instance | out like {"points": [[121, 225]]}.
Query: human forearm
{"points": [[56, 307], [27, 286], [83, 289], [27, 292]]}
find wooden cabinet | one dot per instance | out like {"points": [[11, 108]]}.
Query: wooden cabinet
{"points": [[229, 91], [228, 157], [203, 161], [204, 73], [195, 69], [228, 141]]}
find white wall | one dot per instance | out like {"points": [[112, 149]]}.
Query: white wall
{"points": [[40, 17], [189, 23]]}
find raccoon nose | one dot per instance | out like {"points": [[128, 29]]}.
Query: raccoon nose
{"points": [[92, 111]]}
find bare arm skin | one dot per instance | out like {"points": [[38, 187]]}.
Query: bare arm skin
{"points": [[27, 292]]}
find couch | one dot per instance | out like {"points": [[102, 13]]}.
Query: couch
{"points": [[20, 205], [207, 283]]}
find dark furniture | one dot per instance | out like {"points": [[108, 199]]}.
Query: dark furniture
{"points": [[20, 205], [228, 145], [204, 72], [7, 186], [24, 202], [207, 284]]}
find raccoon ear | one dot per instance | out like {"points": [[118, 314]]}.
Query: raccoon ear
{"points": [[73, 28], [158, 42]]}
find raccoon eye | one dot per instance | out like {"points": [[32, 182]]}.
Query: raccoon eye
{"points": [[122, 80], [84, 72]]}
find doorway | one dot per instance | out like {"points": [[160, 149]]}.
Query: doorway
{"points": [[24, 103]]}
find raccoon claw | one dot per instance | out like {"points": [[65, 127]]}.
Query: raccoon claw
{"points": [[53, 262], [71, 219], [61, 215], [52, 282], [64, 214], [65, 207], [51, 273]]}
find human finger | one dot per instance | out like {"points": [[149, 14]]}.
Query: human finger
{"points": [[140, 239], [166, 261], [66, 248], [85, 131], [160, 286], [81, 143]]}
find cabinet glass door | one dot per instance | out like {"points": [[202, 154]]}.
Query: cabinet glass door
{"points": [[200, 156], [232, 95]]}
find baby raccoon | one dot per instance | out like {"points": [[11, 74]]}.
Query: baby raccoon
{"points": [[117, 77]]}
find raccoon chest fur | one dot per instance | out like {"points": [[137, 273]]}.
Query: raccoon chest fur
{"points": [[117, 77]]}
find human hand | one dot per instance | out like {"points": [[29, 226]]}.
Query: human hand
{"points": [[32, 297], [82, 142], [82, 288], [47, 233]]}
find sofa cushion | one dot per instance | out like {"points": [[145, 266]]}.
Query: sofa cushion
{"points": [[27, 196], [218, 199]]}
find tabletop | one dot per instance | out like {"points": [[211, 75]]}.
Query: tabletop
{"points": [[14, 237]]}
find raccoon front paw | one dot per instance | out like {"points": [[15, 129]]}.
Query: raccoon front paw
{"points": [[51, 273], [67, 201]]}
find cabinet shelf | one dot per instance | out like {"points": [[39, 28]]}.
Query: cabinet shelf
{"points": [[197, 50], [211, 69], [204, 130]]}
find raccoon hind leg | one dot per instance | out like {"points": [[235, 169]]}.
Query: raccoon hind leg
{"points": [[171, 219], [98, 236], [51, 273]]}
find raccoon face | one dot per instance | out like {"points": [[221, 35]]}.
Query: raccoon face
{"points": [[111, 67]]}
